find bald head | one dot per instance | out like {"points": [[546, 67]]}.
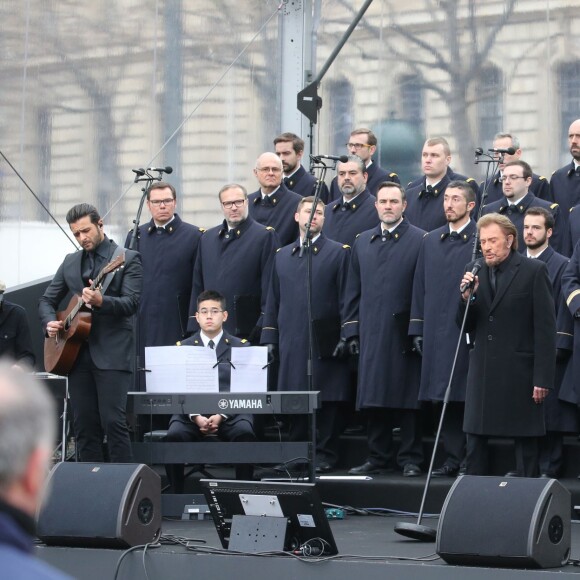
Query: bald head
{"points": [[574, 139], [268, 172]]}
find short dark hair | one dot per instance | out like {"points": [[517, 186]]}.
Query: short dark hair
{"points": [[527, 170], [309, 199], [371, 137], [297, 143], [161, 185], [467, 190], [398, 186], [81, 210], [212, 295], [549, 221]]}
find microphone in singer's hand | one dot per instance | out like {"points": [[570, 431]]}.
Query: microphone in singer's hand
{"points": [[167, 169], [509, 150], [476, 268]]}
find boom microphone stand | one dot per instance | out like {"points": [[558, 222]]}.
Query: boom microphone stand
{"points": [[418, 531], [316, 163]]}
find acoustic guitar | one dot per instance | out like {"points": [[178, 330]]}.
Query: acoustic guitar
{"points": [[61, 351]]}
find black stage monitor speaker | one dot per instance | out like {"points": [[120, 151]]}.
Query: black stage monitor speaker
{"points": [[509, 522], [104, 505]]}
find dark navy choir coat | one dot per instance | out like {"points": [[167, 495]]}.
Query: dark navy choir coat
{"points": [[168, 259], [15, 340], [571, 292], [515, 350], [375, 176], [223, 353], [559, 415], [425, 203], [540, 187], [286, 317], [565, 187], [573, 233], [234, 265], [304, 183], [439, 271], [378, 304], [343, 222], [277, 211], [517, 218]]}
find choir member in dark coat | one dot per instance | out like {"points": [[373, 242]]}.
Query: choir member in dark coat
{"points": [[355, 211], [565, 182], [540, 186], [512, 365], [286, 325], [290, 148], [378, 304], [517, 198], [211, 314], [425, 195], [443, 254], [235, 258], [561, 417], [15, 340], [363, 143], [273, 204], [168, 247]]}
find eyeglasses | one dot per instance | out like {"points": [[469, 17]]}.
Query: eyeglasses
{"points": [[236, 203], [512, 177], [212, 311], [269, 169], [161, 201], [357, 146]]}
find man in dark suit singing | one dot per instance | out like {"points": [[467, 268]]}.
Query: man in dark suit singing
{"points": [[211, 315], [512, 365], [102, 373]]}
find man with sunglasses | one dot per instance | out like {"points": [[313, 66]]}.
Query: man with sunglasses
{"points": [[235, 258], [517, 198]]}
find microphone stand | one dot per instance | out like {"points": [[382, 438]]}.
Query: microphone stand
{"points": [[141, 175], [306, 245], [418, 531]]}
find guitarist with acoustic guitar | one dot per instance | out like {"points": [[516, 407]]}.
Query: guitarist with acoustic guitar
{"points": [[92, 340]]}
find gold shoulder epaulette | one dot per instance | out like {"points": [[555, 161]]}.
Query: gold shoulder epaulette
{"points": [[554, 206], [542, 177], [202, 230], [270, 228], [346, 246], [178, 343], [244, 340]]}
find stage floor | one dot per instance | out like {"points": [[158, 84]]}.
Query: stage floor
{"points": [[367, 542]]}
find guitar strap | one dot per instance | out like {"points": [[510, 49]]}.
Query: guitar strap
{"points": [[109, 277]]}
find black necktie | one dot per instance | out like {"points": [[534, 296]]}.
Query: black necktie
{"points": [[287, 182], [211, 344], [386, 235], [266, 200], [345, 206], [493, 276], [578, 170], [454, 236], [514, 208]]}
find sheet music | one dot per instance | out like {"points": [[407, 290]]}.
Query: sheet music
{"points": [[181, 369], [249, 372]]}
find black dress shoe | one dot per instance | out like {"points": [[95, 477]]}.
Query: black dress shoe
{"points": [[367, 468], [411, 470], [445, 471], [323, 467]]}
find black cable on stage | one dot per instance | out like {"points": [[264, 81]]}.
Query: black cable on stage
{"points": [[37, 198]]}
